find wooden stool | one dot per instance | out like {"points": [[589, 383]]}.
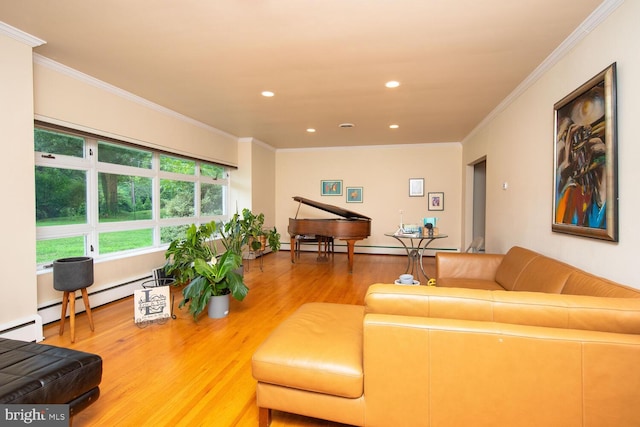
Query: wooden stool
{"points": [[69, 275], [70, 298]]}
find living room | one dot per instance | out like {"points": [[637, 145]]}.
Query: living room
{"points": [[516, 140]]}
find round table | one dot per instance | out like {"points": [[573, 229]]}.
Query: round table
{"points": [[415, 244]]}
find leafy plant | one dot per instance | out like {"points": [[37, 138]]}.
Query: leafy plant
{"points": [[182, 253], [247, 229], [213, 278]]}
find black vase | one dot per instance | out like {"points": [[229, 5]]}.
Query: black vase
{"points": [[71, 274]]}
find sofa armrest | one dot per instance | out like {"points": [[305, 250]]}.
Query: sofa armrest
{"points": [[421, 371], [467, 265]]}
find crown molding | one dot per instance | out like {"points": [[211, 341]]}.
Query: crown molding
{"points": [[596, 18], [20, 35], [367, 147]]}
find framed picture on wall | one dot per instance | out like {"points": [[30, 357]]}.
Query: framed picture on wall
{"points": [[331, 187], [585, 176], [354, 194], [416, 187], [435, 201]]}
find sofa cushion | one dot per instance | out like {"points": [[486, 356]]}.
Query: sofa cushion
{"points": [[318, 348], [582, 283], [512, 265], [543, 274]]}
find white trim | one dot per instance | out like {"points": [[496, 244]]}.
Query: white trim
{"points": [[246, 139], [51, 311], [25, 329], [597, 16], [20, 35], [368, 147]]}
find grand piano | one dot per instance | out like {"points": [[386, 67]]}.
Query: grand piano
{"points": [[353, 227]]}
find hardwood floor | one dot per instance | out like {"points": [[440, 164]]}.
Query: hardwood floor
{"points": [[186, 373]]}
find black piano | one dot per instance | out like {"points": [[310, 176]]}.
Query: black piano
{"points": [[350, 228]]}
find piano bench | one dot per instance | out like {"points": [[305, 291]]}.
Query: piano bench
{"points": [[308, 239]]}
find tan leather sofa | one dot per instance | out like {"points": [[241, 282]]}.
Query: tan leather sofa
{"points": [[454, 356]]}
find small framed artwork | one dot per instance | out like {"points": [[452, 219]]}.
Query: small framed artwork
{"points": [[354, 194], [585, 176], [436, 201], [416, 187], [331, 187], [152, 304]]}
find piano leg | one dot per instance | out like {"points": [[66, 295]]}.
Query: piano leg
{"points": [[351, 243], [293, 248]]}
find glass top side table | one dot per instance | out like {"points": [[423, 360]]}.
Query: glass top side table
{"points": [[415, 244]]}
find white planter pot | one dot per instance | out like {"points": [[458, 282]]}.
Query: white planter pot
{"points": [[219, 306]]}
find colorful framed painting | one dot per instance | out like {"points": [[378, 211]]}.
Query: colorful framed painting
{"points": [[435, 201], [585, 177], [416, 187], [354, 194], [331, 187]]}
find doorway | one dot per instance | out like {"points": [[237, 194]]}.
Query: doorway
{"points": [[479, 200]]}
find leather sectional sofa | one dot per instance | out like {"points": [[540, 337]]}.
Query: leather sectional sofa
{"points": [[504, 340]]}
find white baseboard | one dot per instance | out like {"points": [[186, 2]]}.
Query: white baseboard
{"points": [[374, 250], [52, 311], [26, 329]]}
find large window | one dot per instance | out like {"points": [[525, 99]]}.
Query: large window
{"points": [[102, 198]]}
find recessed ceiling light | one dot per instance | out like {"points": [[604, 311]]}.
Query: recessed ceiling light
{"points": [[394, 126], [268, 93], [346, 125], [392, 84], [311, 130]]}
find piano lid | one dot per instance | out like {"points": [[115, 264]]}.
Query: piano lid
{"points": [[330, 208]]}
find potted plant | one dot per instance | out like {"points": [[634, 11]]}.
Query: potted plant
{"points": [[215, 280], [247, 229], [182, 253], [193, 261]]}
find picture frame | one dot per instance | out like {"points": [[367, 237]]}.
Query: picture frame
{"points": [[331, 187], [354, 194], [435, 201], [416, 187], [585, 175]]}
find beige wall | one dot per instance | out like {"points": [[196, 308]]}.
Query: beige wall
{"points": [[384, 174], [263, 182], [518, 144], [64, 96], [18, 249], [254, 181]]}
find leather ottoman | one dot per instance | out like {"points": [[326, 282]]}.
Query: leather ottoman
{"points": [[33, 373]]}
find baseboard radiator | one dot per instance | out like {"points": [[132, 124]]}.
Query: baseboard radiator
{"points": [[51, 312], [25, 329]]}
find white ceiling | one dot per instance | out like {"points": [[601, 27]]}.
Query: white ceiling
{"points": [[326, 60]]}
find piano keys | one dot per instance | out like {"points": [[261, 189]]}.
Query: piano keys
{"points": [[350, 228]]}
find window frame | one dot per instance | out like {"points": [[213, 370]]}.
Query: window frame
{"points": [[92, 229]]}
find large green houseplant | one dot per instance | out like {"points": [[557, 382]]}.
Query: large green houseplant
{"points": [[193, 261], [182, 252], [215, 277]]}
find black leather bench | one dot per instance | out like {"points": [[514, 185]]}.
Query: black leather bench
{"points": [[33, 373]]}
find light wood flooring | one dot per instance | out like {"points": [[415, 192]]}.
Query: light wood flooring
{"points": [[186, 373]]}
